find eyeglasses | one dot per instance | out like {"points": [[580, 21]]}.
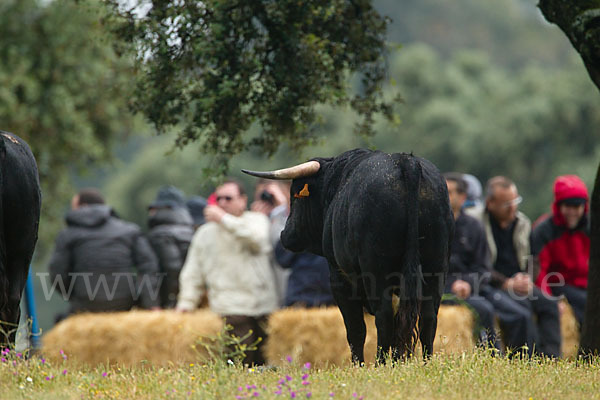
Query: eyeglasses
{"points": [[226, 198], [514, 202]]}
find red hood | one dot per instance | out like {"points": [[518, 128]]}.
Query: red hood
{"points": [[566, 187]]}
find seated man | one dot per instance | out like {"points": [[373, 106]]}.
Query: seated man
{"points": [[508, 231], [470, 273], [561, 244], [468, 267]]}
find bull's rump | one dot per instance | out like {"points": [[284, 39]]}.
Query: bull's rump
{"points": [[367, 222]]}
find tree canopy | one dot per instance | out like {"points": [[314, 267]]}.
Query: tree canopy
{"points": [[62, 88], [215, 68], [463, 113]]}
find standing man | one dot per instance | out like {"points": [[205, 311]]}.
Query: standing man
{"points": [[230, 259], [508, 231], [170, 233], [94, 256], [561, 244]]}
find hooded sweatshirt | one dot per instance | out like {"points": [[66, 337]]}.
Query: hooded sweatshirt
{"points": [[563, 252], [96, 258], [170, 236]]}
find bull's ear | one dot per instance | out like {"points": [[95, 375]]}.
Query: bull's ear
{"points": [[304, 192]]}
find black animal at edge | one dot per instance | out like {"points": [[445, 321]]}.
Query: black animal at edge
{"points": [[20, 202]]}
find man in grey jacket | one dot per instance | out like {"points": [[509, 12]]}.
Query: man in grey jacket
{"points": [[96, 256]]}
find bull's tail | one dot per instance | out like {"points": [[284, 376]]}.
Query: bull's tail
{"points": [[405, 320]]}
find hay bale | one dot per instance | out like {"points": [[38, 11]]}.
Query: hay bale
{"points": [[569, 330], [319, 336], [127, 338], [454, 330]]}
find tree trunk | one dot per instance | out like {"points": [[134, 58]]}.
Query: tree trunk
{"points": [[590, 340], [580, 21]]}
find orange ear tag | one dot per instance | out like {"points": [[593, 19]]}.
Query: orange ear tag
{"points": [[304, 192]]}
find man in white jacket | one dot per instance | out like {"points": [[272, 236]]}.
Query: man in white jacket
{"points": [[229, 258]]}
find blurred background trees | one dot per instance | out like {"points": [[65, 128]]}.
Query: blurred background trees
{"points": [[64, 90], [487, 88]]}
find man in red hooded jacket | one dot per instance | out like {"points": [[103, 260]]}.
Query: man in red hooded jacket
{"points": [[561, 243]]}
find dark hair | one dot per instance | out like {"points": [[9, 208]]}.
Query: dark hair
{"points": [[497, 181], [237, 183], [90, 196], [461, 185]]}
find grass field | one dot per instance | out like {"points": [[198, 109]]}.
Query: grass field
{"points": [[475, 375]]}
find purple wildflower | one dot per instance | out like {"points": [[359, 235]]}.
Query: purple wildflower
{"points": [[255, 394], [43, 360], [305, 383], [289, 359], [277, 392], [288, 378], [304, 377], [240, 388], [308, 395], [3, 359], [293, 394], [64, 372], [19, 355], [307, 365], [105, 374]]}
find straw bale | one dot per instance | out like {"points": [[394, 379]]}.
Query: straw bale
{"points": [[128, 338], [569, 330], [319, 336]]}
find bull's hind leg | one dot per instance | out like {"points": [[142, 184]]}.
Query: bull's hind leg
{"points": [[351, 308], [384, 320], [430, 303]]}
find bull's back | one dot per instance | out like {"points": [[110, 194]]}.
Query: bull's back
{"points": [[370, 215]]}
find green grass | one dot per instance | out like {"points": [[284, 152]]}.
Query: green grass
{"points": [[444, 377]]}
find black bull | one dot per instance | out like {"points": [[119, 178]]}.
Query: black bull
{"points": [[383, 222], [20, 201]]}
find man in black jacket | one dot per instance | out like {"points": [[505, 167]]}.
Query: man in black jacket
{"points": [[95, 256], [470, 273], [170, 235]]}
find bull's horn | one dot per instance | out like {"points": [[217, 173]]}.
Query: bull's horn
{"points": [[298, 171]]}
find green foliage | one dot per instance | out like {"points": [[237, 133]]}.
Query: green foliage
{"points": [[62, 88], [464, 114], [227, 348], [215, 68]]}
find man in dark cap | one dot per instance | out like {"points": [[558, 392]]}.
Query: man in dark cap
{"points": [[171, 231], [196, 205]]}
